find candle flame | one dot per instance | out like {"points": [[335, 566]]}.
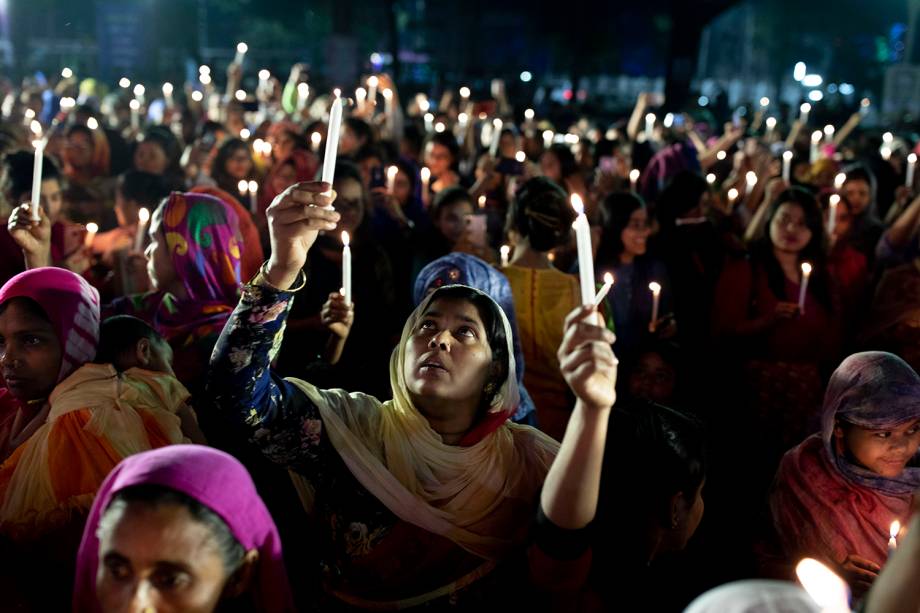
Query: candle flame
{"points": [[505, 250], [167, 89], [655, 287], [834, 200], [315, 138], [135, 105], [520, 156], [840, 179], [634, 174], [392, 171], [360, 93], [805, 107], [373, 81], [827, 589], [751, 178], [865, 102], [303, 90], [426, 174], [608, 278], [498, 123], [721, 155], [787, 155], [529, 114], [732, 193], [243, 186], [264, 75], [337, 92], [464, 92], [242, 48], [346, 240], [650, 117], [92, 227], [482, 202], [92, 123], [829, 130], [139, 90], [806, 268], [771, 122], [816, 136], [764, 101], [388, 94], [895, 529], [912, 158], [36, 127], [577, 204], [711, 178], [253, 187], [143, 215]]}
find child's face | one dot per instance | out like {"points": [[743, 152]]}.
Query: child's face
{"points": [[885, 452]]}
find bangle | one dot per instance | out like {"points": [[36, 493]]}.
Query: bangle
{"points": [[262, 279]]}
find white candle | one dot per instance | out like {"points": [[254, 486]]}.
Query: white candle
{"points": [[429, 122], [803, 113], [241, 49], [649, 125], [829, 591], [832, 214], [803, 288], [787, 166], [548, 139], [303, 92], [529, 114], [634, 175], [893, 541], [39, 144], [711, 178], [829, 133], [482, 201], [655, 288], [732, 195], [332, 141], [139, 91], [372, 83], [253, 197], [464, 96], [885, 151], [815, 153], [911, 166], [315, 139], [143, 216], [388, 104], [771, 125], [91, 229], [496, 137], [426, 181], [346, 267], [585, 252], [839, 180], [605, 289], [168, 94], [135, 113], [360, 98], [750, 179], [392, 171], [505, 253]]}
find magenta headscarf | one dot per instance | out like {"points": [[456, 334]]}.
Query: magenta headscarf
{"points": [[216, 480], [70, 303]]}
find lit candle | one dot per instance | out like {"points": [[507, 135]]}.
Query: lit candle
{"points": [[241, 49], [803, 113], [787, 166], [764, 102], [655, 288], [303, 92], [771, 125], [39, 145], [634, 175], [426, 181], [505, 252], [346, 267], [815, 152], [839, 180], [806, 273], [253, 197], [585, 252], [529, 114], [168, 94], [548, 139], [360, 98], [750, 179], [649, 125], [829, 591], [91, 229], [829, 133], [388, 104], [732, 195], [496, 137], [135, 107], [893, 541], [832, 214], [243, 186], [143, 216], [482, 201], [711, 178], [392, 171], [464, 96], [721, 155], [885, 151], [372, 83], [429, 122], [911, 166], [315, 139], [332, 141], [605, 289]]}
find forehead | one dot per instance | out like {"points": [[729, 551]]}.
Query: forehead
{"points": [[790, 209], [18, 314], [456, 308], [155, 532]]}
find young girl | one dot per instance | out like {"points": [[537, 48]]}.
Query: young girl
{"points": [[837, 494]]}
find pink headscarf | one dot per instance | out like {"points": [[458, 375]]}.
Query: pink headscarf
{"points": [[70, 303], [216, 480]]}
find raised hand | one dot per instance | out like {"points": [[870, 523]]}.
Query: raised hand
{"points": [[337, 316], [33, 237], [587, 361]]}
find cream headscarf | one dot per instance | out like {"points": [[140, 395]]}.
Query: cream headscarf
{"points": [[481, 497]]}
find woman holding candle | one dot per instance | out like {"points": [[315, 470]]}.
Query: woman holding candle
{"points": [[232, 164], [442, 158], [539, 220], [158, 152], [836, 494], [859, 189], [420, 500], [86, 155], [298, 166], [847, 267]]}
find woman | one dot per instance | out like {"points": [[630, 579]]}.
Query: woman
{"points": [[859, 190], [158, 152], [846, 265], [193, 261], [421, 496], [232, 164], [180, 528], [298, 166], [539, 220], [559, 166], [86, 155], [623, 252], [463, 269], [837, 493], [779, 347], [442, 156]]}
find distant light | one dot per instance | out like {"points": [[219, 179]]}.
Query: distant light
{"points": [[668, 120], [812, 80], [771, 122], [528, 114], [92, 124], [124, 82], [240, 95], [847, 89], [316, 138], [376, 58], [571, 139], [805, 108], [764, 102], [204, 69], [134, 104], [721, 155], [832, 88], [205, 79], [264, 74], [710, 178], [816, 95], [465, 92], [887, 137], [67, 103], [245, 133], [429, 117], [373, 81], [67, 73], [526, 76], [167, 89], [424, 105], [439, 127], [520, 156], [702, 100], [242, 48], [798, 72], [139, 90], [840, 179], [197, 96], [829, 130]]}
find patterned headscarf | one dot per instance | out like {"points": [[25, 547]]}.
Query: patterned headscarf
{"points": [[465, 269], [217, 481], [875, 390], [70, 303]]}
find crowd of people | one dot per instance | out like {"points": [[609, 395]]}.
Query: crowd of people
{"points": [[228, 385]]}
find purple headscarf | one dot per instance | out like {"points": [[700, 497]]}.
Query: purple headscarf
{"points": [[216, 480], [875, 390]]}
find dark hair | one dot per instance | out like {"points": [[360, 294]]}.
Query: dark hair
{"points": [[18, 173], [862, 173], [815, 252], [448, 197], [166, 141], [616, 209], [225, 151], [79, 128], [142, 187], [567, 164], [369, 151], [151, 495], [344, 169], [362, 129], [447, 139], [29, 305], [491, 321], [119, 334], [681, 195], [541, 213]]}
